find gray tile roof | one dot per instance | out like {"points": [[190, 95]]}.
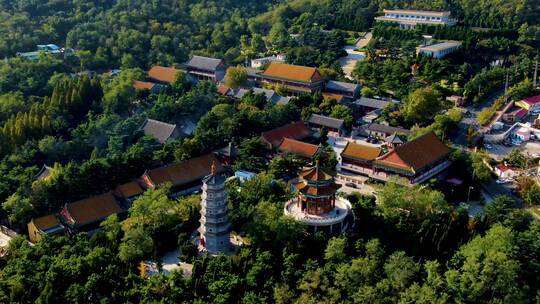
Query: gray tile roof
{"points": [[342, 86], [374, 103], [162, 131], [270, 95], [375, 127], [204, 63], [326, 121]]}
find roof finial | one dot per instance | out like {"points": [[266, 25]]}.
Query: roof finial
{"points": [[213, 168]]}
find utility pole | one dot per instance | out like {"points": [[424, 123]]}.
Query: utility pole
{"points": [[506, 85]]}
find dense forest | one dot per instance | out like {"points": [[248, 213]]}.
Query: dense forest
{"points": [[75, 115]]}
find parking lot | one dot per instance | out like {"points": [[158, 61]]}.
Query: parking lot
{"points": [[531, 149]]}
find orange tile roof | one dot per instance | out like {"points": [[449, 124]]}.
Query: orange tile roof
{"points": [[92, 209], [223, 89], [358, 151], [315, 173], [295, 130], [416, 154], [326, 190], [143, 85], [130, 189], [46, 222], [337, 97], [292, 146], [292, 72], [163, 74], [184, 172]]}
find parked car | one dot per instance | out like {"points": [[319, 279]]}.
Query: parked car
{"points": [[502, 181], [488, 146], [352, 185]]}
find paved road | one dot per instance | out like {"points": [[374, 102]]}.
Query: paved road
{"points": [[461, 138], [349, 62]]}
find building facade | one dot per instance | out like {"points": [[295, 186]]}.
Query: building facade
{"points": [[317, 204], [215, 227], [438, 50], [409, 19], [415, 161]]}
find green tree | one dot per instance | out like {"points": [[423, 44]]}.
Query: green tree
{"points": [[236, 77], [422, 105]]}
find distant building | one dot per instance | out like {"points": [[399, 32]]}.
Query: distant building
{"points": [[206, 68], [215, 227], [295, 78], [438, 50], [87, 214], [295, 130], [52, 49], [259, 62], [409, 19], [514, 114], [393, 141], [346, 89], [269, 95], [164, 75], [161, 131], [146, 85], [359, 158], [504, 171], [184, 177], [532, 104], [43, 173], [317, 204], [382, 131], [244, 176], [129, 191], [334, 126], [367, 104], [415, 161], [45, 225], [299, 148]]}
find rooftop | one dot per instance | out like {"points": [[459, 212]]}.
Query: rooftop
{"points": [[205, 63], [143, 85], [129, 189], [162, 131], [163, 74], [342, 86], [292, 72], [184, 172], [416, 154], [46, 222], [92, 209], [292, 146], [295, 130], [362, 152], [326, 121], [437, 47], [374, 103], [375, 127], [417, 12], [532, 100]]}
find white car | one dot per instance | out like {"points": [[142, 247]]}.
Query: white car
{"points": [[488, 146], [502, 181]]}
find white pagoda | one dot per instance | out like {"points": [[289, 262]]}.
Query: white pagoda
{"points": [[215, 227]]}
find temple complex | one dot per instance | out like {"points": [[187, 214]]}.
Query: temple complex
{"points": [[215, 227], [316, 203]]}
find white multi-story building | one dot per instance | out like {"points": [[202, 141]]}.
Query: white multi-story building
{"points": [[438, 50], [408, 19]]}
